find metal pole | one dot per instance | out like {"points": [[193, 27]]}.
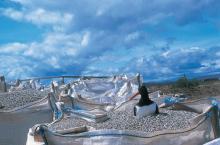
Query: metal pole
{"points": [[52, 77]]}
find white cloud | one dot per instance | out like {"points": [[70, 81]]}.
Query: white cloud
{"points": [[53, 61], [218, 53], [15, 66], [192, 49], [48, 55], [59, 44], [191, 61], [157, 18], [132, 36], [16, 15], [92, 35], [13, 48], [85, 39], [41, 17], [58, 51], [166, 53], [217, 66]]}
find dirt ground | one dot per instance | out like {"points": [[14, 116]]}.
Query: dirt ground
{"points": [[204, 89]]}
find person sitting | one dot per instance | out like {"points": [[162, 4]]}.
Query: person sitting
{"points": [[145, 106]]}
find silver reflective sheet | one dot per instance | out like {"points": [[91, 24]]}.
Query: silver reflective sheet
{"points": [[15, 123], [115, 90], [203, 129]]}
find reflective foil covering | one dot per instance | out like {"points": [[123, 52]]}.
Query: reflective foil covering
{"points": [[96, 94], [114, 90], [15, 123], [204, 127]]}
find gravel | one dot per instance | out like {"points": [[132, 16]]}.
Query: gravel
{"points": [[123, 119], [14, 99]]}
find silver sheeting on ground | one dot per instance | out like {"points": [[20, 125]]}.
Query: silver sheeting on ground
{"points": [[214, 142], [31, 84], [204, 127], [15, 123], [115, 90]]}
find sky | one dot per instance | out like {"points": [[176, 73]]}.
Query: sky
{"points": [[159, 39]]}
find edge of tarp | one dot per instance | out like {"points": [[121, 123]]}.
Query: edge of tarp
{"points": [[213, 142], [201, 99], [208, 99], [112, 132], [49, 96], [115, 132]]}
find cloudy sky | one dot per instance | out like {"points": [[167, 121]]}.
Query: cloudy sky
{"points": [[161, 39]]}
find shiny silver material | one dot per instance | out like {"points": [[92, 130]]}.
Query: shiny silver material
{"points": [[203, 128], [15, 123]]}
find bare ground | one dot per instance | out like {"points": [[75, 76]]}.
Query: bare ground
{"points": [[204, 89]]}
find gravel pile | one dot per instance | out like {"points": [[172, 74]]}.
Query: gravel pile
{"points": [[14, 99], [123, 119]]}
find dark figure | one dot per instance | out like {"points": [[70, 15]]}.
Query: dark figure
{"points": [[145, 101]]}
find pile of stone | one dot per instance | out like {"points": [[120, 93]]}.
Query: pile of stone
{"points": [[123, 119], [10, 100]]}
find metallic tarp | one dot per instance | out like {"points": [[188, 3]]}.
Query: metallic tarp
{"points": [[203, 129], [15, 123], [115, 90]]}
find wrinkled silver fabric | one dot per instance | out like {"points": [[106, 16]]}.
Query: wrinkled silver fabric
{"points": [[15, 123], [115, 90], [97, 94], [203, 129]]}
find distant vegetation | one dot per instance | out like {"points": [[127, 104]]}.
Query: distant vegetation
{"points": [[184, 82]]}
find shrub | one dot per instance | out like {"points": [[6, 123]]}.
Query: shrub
{"points": [[184, 82]]}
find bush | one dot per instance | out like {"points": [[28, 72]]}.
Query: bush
{"points": [[183, 82]]}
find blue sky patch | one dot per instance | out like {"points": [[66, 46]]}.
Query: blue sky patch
{"points": [[163, 40]]}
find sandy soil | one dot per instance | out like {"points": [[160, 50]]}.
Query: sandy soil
{"points": [[205, 89]]}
